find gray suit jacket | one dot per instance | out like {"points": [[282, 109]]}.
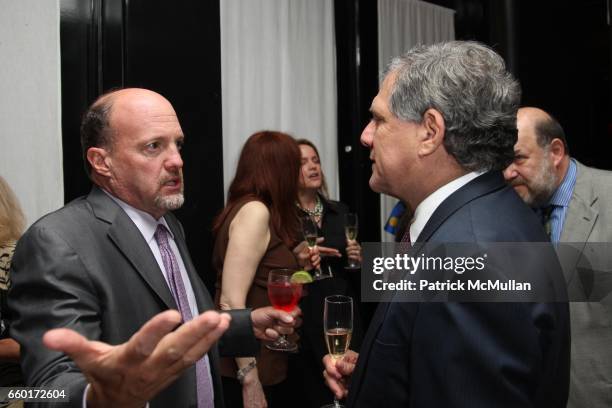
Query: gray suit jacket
{"points": [[88, 268], [589, 220]]}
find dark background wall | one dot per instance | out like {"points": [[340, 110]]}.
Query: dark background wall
{"points": [[560, 50]]}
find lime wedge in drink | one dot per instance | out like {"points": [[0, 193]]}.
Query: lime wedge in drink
{"points": [[301, 277]]}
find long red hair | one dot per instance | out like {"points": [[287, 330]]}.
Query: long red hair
{"points": [[268, 170]]}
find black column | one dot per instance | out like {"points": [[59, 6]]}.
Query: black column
{"points": [[357, 75]]}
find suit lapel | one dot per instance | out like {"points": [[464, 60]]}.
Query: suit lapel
{"points": [[131, 244], [481, 185], [582, 214], [366, 347], [201, 293], [582, 211]]}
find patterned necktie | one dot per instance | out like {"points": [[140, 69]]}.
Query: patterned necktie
{"points": [[406, 236], [203, 380], [406, 243]]}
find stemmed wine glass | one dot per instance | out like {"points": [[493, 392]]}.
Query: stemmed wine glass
{"points": [[338, 327], [311, 233], [284, 295], [350, 231]]}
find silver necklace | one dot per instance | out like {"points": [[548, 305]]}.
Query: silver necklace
{"points": [[316, 212]]}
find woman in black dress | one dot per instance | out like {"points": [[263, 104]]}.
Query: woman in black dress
{"points": [[329, 215]]}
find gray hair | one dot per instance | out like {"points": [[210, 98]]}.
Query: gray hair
{"points": [[467, 82]]}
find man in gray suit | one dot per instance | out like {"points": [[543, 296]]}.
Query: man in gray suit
{"points": [[577, 201], [109, 267]]}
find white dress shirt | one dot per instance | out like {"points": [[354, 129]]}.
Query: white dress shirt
{"points": [[147, 225], [426, 208]]}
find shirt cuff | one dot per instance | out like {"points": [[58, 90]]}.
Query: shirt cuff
{"points": [[84, 404]]}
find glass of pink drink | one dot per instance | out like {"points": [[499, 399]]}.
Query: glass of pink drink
{"points": [[283, 295]]}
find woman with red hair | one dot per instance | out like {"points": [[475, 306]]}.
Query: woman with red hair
{"points": [[258, 231]]}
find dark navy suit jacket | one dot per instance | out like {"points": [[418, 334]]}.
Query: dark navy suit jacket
{"points": [[468, 354]]}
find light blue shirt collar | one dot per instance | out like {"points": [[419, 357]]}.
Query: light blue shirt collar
{"points": [[563, 194]]}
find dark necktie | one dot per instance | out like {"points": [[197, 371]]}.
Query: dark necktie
{"points": [[203, 380], [546, 213]]}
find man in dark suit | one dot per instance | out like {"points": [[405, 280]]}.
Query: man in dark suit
{"points": [[109, 266], [442, 129], [578, 200]]}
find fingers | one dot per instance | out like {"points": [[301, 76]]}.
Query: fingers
{"points": [[283, 318], [282, 326], [300, 247], [315, 260], [273, 322], [330, 368], [270, 334], [65, 340], [296, 312], [189, 342], [345, 368], [337, 372], [77, 347], [208, 332], [346, 365], [353, 247], [144, 341], [329, 251], [336, 387]]}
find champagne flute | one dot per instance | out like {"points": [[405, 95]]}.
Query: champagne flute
{"points": [[351, 228], [338, 327], [283, 295], [311, 233]]}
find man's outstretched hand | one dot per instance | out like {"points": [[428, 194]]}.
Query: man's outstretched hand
{"points": [[132, 373]]}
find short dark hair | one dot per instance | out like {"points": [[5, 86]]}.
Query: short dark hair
{"points": [[95, 128], [547, 129]]}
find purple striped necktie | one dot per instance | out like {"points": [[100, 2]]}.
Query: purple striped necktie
{"points": [[406, 236], [177, 288], [405, 244]]}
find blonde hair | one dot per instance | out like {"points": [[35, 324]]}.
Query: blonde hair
{"points": [[12, 220]]}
